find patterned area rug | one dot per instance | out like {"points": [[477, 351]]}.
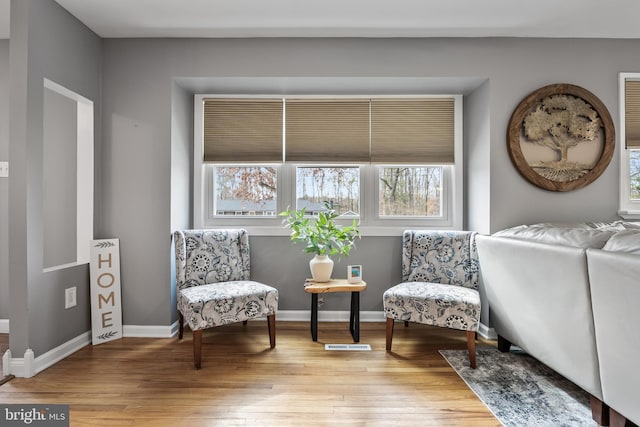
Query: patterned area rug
{"points": [[520, 391]]}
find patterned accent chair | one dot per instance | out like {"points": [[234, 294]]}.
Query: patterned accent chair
{"points": [[213, 285], [439, 284]]}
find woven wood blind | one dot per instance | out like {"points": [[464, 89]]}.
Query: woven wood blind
{"points": [[632, 113], [242, 130], [327, 130], [410, 130]]}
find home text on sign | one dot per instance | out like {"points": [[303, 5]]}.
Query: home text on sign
{"points": [[106, 306]]}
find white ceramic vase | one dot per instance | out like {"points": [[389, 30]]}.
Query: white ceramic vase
{"points": [[321, 268]]}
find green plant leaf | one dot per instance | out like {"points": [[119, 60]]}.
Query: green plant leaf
{"points": [[321, 236]]}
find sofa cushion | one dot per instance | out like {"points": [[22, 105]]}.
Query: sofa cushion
{"points": [[631, 225], [581, 237], [624, 241]]}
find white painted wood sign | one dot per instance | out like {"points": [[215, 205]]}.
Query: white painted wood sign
{"points": [[106, 304]]}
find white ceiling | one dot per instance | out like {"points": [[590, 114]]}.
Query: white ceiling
{"points": [[353, 18]]}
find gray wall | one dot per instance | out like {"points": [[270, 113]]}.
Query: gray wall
{"points": [[144, 163], [4, 182], [181, 172], [477, 159], [46, 42]]}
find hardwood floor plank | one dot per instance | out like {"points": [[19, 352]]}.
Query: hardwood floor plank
{"points": [[151, 382]]}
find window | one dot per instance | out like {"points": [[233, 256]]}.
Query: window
{"points": [[634, 175], [392, 162], [410, 192], [630, 152], [340, 186], [245, 190]]}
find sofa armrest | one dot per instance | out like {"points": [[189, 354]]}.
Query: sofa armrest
{"points": [[615, 292], [538, 297]]}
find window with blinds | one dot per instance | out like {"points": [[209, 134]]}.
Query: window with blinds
{"points": [[247, 130], [632, 113], [327, 130], [342, 130], [629, 86], [412, 131], [390, 161]]}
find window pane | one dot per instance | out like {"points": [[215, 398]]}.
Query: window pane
{"points": [[410, 191], [245, 190], [634, 173], [339, 186]]}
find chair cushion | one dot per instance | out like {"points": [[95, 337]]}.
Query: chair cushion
{"points": [[223, 303], [443, 305]]}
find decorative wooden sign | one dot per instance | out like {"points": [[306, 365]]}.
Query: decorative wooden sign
{"points": [[106, 305], [561, 137]]}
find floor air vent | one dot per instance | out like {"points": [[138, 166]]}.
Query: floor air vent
{"points": [[348, 347]]}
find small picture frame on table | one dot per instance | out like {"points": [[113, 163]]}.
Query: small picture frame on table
{"points": [[354, 273]]}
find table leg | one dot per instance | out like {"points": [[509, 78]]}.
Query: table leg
{"points": [[354, 317], [314, 317]]}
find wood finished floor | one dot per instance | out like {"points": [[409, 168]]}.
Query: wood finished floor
{"points": [[151, 382]]}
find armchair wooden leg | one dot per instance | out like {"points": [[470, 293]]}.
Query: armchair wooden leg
{"points": [[271, 323], [390, 322], [180, 325], [244, 322], [197, 348], [471, 347], [406, 323]]}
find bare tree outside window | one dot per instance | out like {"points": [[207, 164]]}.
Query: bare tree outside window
{"points": [[245, 190], [634, 173], [410, 191], [340, 186]]}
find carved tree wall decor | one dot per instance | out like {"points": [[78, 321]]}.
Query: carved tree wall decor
{"points": [[561, 137]]}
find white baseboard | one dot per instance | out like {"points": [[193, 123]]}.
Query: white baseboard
{"points": [[327, 316], [4, 326], [28, 366], [146, 331], [487, 333], [365, 316]]}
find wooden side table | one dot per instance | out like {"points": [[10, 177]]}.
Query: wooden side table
{"points": [[336, 285]]}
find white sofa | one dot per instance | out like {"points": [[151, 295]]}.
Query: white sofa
{"points": [[614, 277], [544, 284]]}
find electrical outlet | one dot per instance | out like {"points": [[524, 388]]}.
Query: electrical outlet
{"points": [[4, 169], [70, 297]]}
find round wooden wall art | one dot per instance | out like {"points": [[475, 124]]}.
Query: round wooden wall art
{"points": [[561, 137]]}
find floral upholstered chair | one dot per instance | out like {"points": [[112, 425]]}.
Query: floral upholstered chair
{"points": [[213, 285], [439, 284]]}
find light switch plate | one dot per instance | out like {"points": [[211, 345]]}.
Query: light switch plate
{"points": [[4, 169], [70, 297]]}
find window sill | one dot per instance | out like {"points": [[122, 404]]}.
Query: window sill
{"points": [[633, 215], [367, 231]]}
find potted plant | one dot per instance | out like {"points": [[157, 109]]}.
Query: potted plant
{"points": [[322, 237]]}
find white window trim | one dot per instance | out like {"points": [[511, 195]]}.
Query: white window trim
{"points": [[629, 209], [370, 224]]}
